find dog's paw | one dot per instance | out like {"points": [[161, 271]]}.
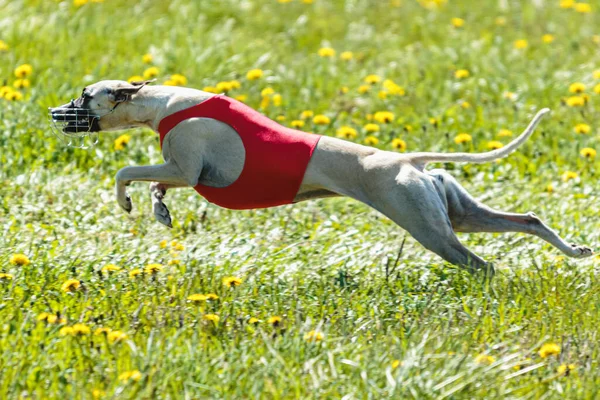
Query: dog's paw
{"points": [[581, 251], [125, 203], [162, 214]]}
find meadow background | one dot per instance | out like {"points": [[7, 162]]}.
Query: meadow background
{"points": [[324, 299]]}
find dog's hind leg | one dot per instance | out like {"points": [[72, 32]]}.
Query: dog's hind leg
{"points": [[469, 215], [157, 194], [413, 202]]}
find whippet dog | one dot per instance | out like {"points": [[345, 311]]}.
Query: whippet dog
{"points": [[208, 152]]}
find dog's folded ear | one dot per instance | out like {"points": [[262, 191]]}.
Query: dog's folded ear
{"points": [[122, 94]]}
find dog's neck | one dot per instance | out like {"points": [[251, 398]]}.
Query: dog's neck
{"points": [[151, 104]]}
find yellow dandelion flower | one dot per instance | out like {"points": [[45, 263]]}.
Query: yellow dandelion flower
{"points": [[494, 145], [102, 331], [372, 79], [371, 141], [6, 277], [588, 153], [23, 71], [462, 138], [3, 46], [116, 336], [66, 331], [135, 78], [567, 176], [241, 97], [135, 272], [383, 117], [434, 121], [277, 99], [210, 89], [5, 90], [396, 364], [121, 142], [596, 74], [268, 91], [297, 123], [254, 74], [179, 79], [550, 188], [549, 349], [79, 3], [264, 103], [174, 262], [575, 101], [577, 87], [484, 359], [408, 128], [465, 104], [14, 96], [212, 317], [567, 3], [504, 133], [107, 269], [548, 38], [306, 114], [224, 87], [232, 281], [147, 58], [321, 119], [163, 244], [583, 8], [457, 22], [153, 268], [212, 296], [520, 44], [326, 52], [274, 320], [70, 285], [197, 298], [235, 84], [19, 259], [253, 321], [151, 72], [344, 89], [98, 394], [22, 83], [565, 369], [314, 336], [346, 132], [398, 144], [509, 96], [462, 73], [81, 330], [362, 89], [346, 55], [382, 95], [371, 128], [134, 375], [393, 88], [582, 128]]}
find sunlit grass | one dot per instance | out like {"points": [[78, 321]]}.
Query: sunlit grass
{"points": [[334, 300]]}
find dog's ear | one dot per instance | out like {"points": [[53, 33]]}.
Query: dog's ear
{"points": [[124, 93]]}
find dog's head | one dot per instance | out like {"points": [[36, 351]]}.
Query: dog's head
{"points": [[95, 110]]}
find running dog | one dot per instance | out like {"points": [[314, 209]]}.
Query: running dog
{"points": [[239, 159]]}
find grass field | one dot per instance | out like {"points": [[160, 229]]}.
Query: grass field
{"points": [[330, 300]]}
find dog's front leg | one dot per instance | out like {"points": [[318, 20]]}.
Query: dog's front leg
{"points": [[167, 173]]}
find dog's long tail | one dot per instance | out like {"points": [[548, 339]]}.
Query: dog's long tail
{"points": [[420, 160]]}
